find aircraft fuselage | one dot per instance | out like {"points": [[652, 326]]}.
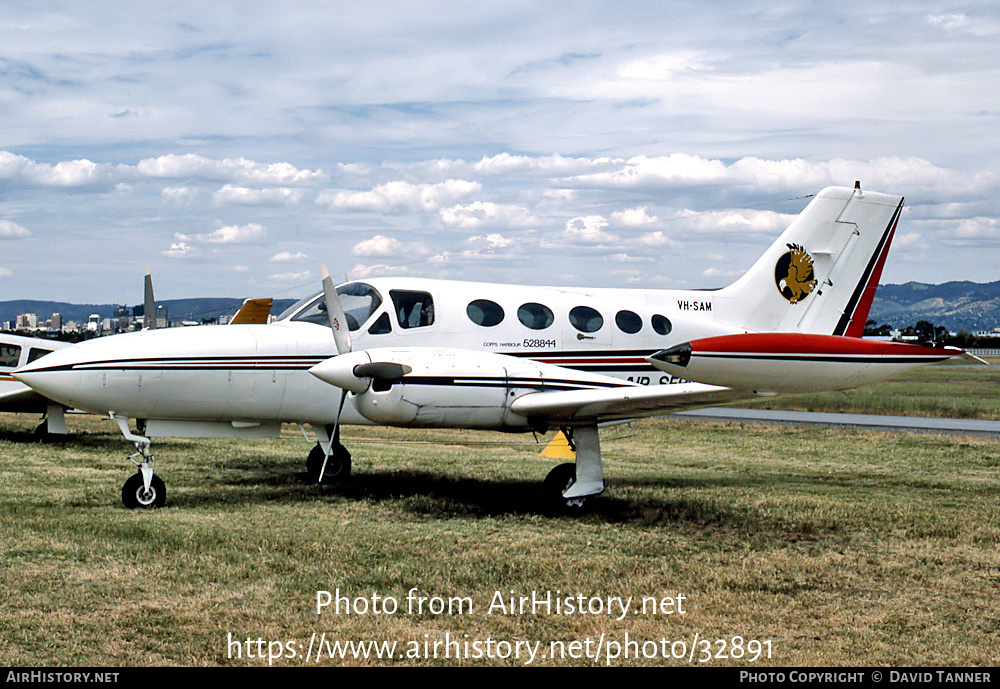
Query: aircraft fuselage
{"points": [[259, 373]]}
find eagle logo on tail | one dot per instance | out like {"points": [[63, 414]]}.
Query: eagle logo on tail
{"points": [[793, 274]]}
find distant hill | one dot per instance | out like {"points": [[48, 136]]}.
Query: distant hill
{"points": [[968, 306], [958, 306], [177, 309]]}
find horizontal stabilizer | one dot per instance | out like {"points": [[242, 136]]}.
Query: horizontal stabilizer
{"points": [[773, 363]]}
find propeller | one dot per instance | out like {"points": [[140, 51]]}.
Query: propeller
{"points": [[350, 372], [335, 312], [342, 337]]}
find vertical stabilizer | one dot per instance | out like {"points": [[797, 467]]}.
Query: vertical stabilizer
{"points": [[820, 275], [149, 304]]}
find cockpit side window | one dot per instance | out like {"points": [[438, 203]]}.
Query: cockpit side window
{"points": [[37, 353], [359, 300], [381, 326], [9, 355], [413, 309]]}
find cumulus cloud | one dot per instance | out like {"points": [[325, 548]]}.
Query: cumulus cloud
{"points": [[978, 227], [588, 230], [244, 196], [767, 222], [383, 247], [287, 256], [179, 195], [178, 250], [361, 270], [71, 173], [681, 169], [633, 217], [400, 196], [236, 170], [480, 214], [5, 272], [657, 239], [490, 241], [11, 230], [378, 246], [230, 234], [293, 276]]}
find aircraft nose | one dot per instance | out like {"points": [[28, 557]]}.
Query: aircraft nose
{"points": [[53, 375]]}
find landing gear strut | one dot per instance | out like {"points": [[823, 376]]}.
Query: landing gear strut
{"points": [[568, 487], [142, 489]]}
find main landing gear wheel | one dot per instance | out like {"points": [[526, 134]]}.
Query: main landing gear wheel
{"points": [[338, 467], [134, 493], [555, 484]]}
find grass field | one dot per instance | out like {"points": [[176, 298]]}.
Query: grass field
{"points": [[953, 390], [812, 546]]}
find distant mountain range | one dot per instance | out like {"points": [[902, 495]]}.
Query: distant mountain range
{"points": [[958, 306], [199, 309]]}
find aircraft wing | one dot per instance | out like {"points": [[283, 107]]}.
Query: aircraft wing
{"points": [[19, 398], [574, 407]]}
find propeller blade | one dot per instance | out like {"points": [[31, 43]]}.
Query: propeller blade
{"points": [[334, 438], [335, 312]]}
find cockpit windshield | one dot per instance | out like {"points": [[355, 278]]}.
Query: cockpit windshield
{"points": [[359, 300]]}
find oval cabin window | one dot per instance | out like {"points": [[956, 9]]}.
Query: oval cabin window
{"points": [[628, 322], [585, 319], [484, 312], [662, 325], [535, 316]]}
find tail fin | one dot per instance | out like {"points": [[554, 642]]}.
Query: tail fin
{"points": [[253, 312], [820, 275], [149, 304]]}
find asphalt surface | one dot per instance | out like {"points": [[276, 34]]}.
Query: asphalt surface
{"points": [[915, 424]]}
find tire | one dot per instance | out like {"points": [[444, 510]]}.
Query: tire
{"points": [[338, 467], [556, 482], [134, 494]]}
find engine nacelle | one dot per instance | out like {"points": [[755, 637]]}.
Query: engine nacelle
{"points": [[446, 388], [425, 386]]}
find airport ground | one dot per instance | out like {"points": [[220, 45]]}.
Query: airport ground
{"points": [[822, 546]]}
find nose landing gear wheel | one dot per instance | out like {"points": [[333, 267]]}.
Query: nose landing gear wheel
{"points": [[338, 467], [134, 494]]}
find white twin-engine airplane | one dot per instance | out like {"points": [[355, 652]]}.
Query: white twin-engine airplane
{"points": [[435, 353]]}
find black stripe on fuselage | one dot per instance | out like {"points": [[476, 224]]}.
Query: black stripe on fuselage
{"points": [[294, 363]]}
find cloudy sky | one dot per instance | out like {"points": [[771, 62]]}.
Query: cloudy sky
{"points": [[234, 147]]}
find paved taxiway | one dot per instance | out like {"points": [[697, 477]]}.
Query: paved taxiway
{"points": [[889, 423]]}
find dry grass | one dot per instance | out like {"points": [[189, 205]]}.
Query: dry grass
{"points": [[952, 390], [839, 547]]}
